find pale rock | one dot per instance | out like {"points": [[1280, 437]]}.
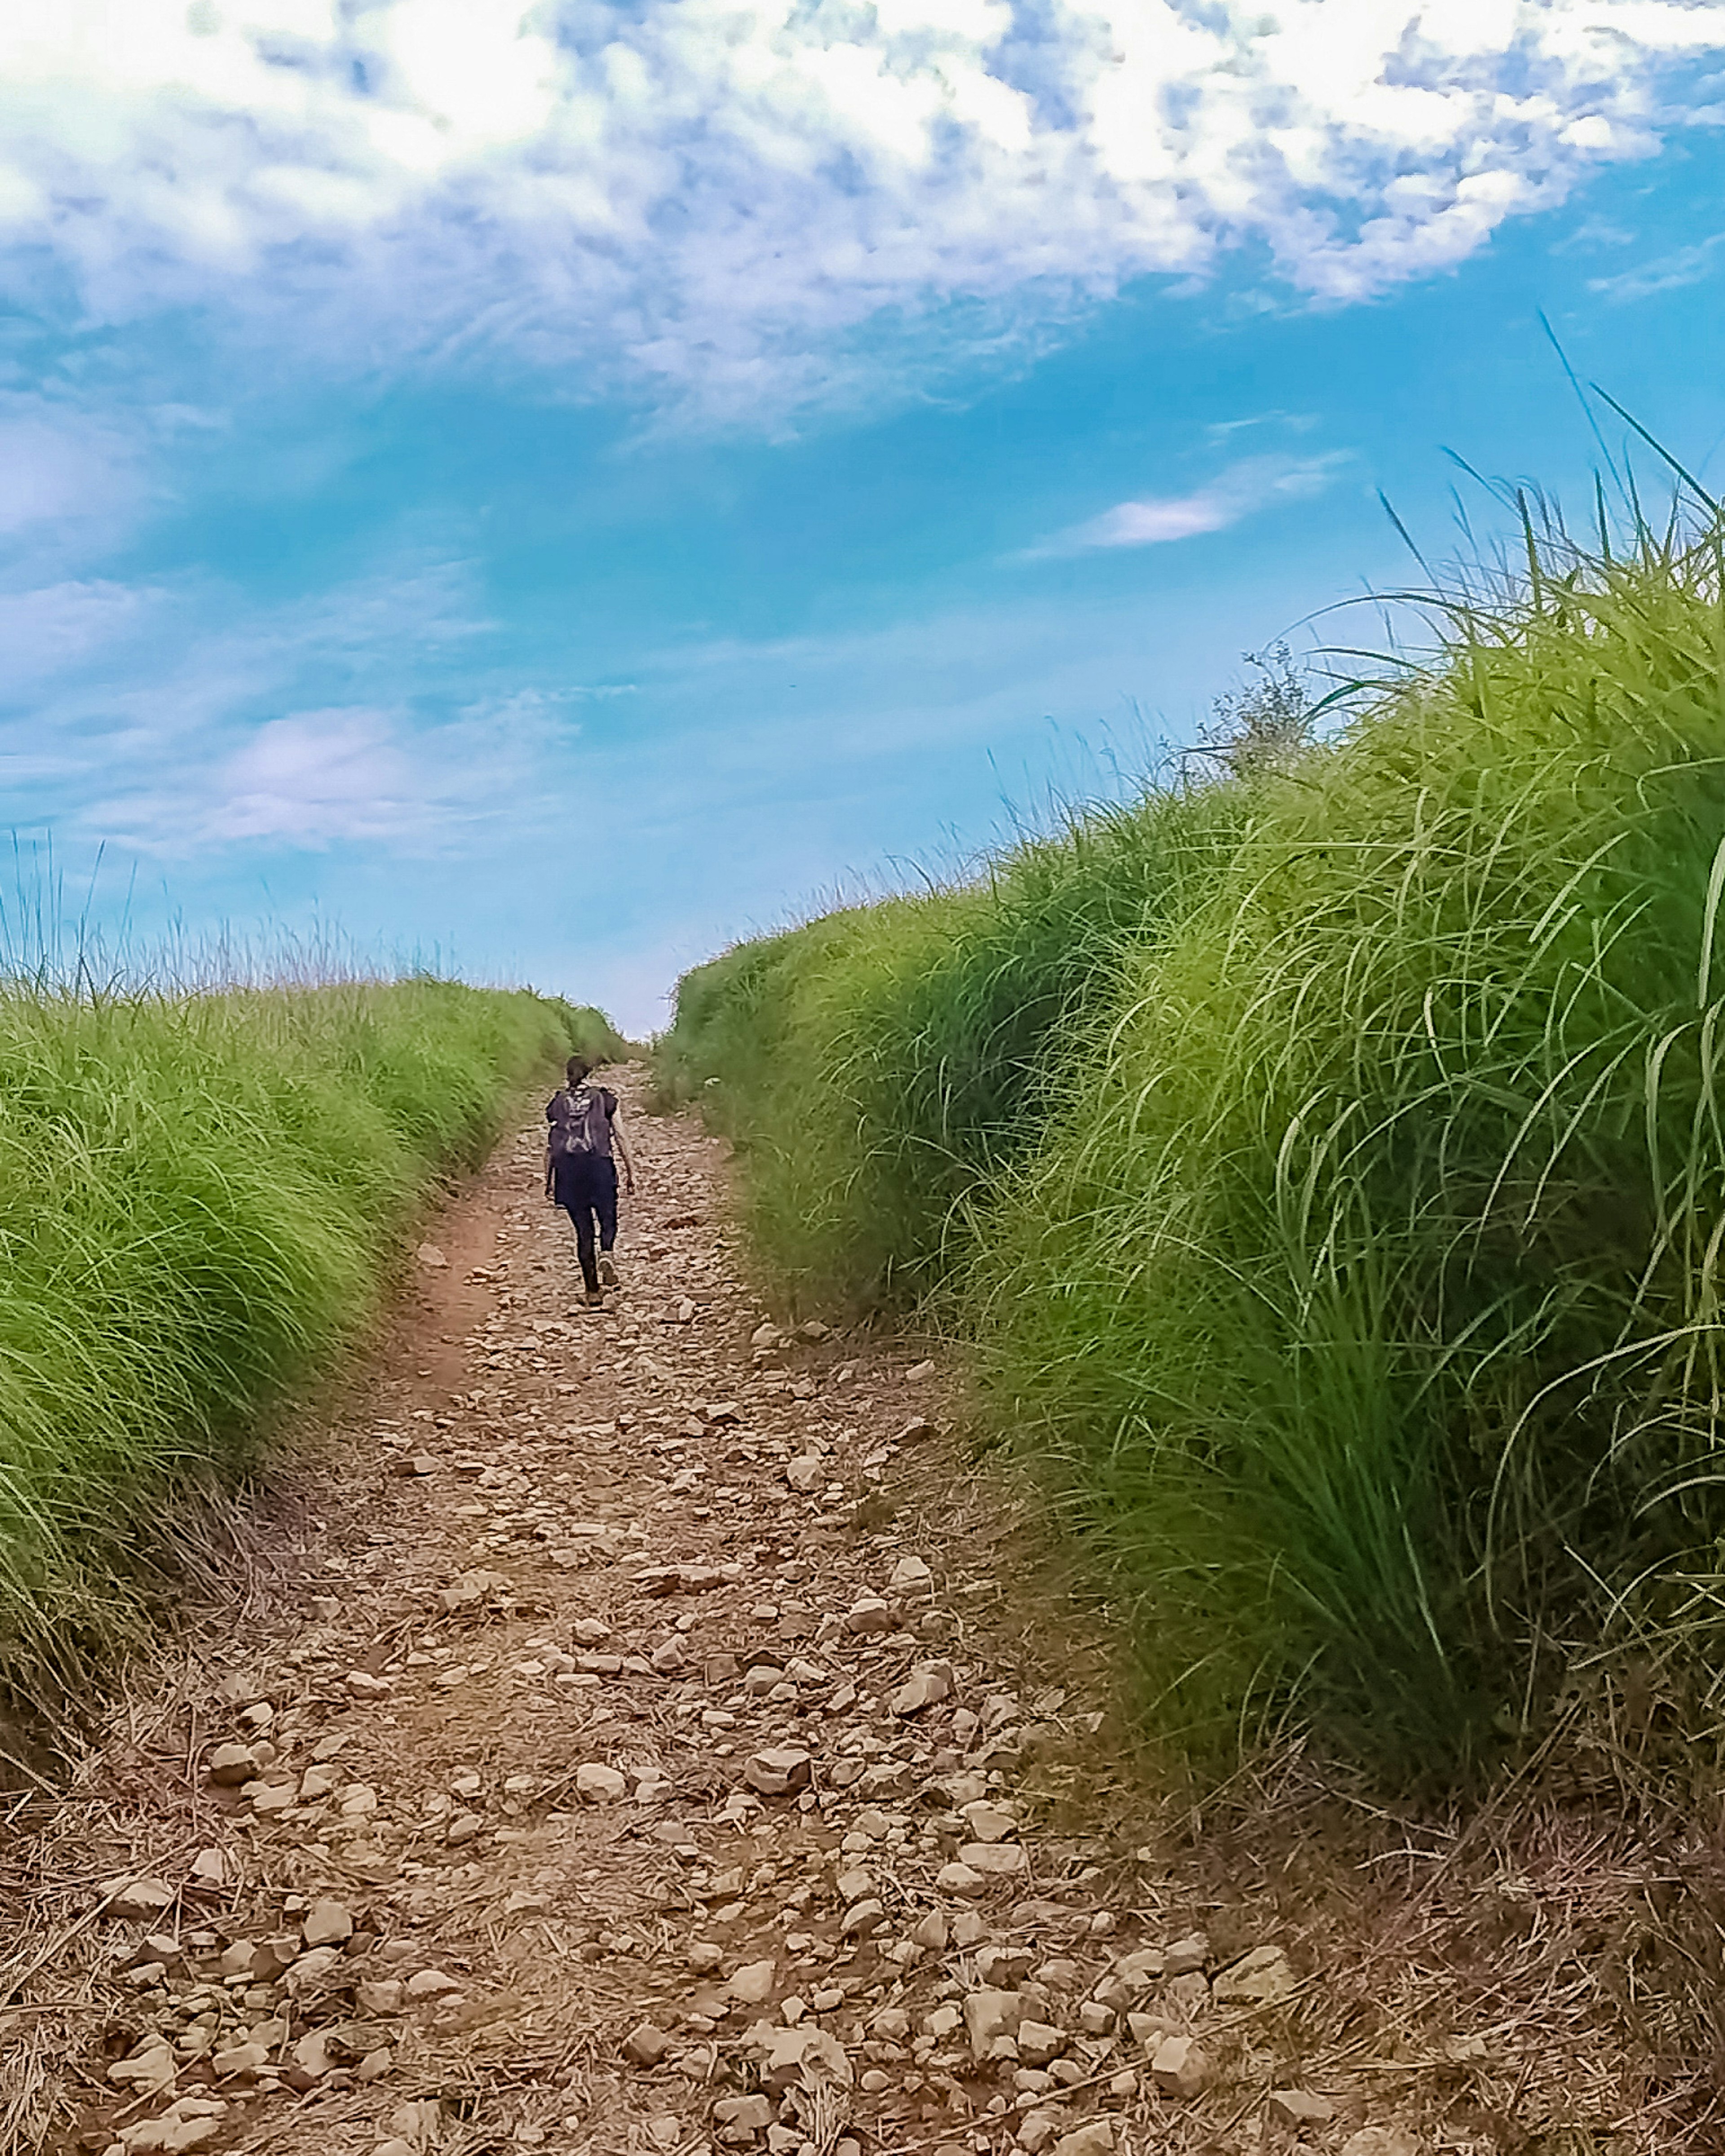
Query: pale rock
{"points": [[646, 2045], [855, 1885], [326, 1924], [1037, 2130], [1096, 2018], [230, 1765], [420, 2122], [1187, 1955], [995, 1860], [1003, 1966], [151, 2068], [1179, 2067], [210, 1871], [669, 1656], [1258, 1979], [589, 1631], [918, 1371], [240, 1959], [315, 1963], [242, 2061], [431, 1257], [318, 1782], [1298, 2107], [705, 1957], [806, 1473], [805, 2055], [752, 1983], [923, 1688], [375, 2064], [915, 1431], [384, 1996], [363, 1684], [430, 1984], [910, 1577], [395, 2146], [1381, 2141], [869, 1615], [891, 2025], [989, 1822], [739, 2118], [416, 1465], [464, 1827], [862, 1919], [311, 2054], [944, 2021], [961, 1880], [779, 1771], [989, 2014], [1095, 2139], [1139, 1971], [599, 1785], [137, 1901], [1039, 2041]]}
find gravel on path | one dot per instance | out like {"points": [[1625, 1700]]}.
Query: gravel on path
{"points": [[628, 1745]]}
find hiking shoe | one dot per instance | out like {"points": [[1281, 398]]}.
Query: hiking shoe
{"points": [[594, 1299], [608, 1270]]}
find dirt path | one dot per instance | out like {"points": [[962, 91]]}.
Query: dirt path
{"points": [[632, 1747]]}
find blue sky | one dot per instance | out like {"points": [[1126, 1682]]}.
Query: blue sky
{"points": [[562, 486]]}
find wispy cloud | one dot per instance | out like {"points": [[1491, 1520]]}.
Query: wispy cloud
{"points": [[175, 719], [1665, 273], [1254, 483], [715, 203]]}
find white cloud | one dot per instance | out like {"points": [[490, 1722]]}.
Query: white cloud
{"points": [[715, 195], [1665, 273], [316, 776], [175, 719], [1244, 488]]}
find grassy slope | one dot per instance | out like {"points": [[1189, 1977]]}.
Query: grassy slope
{"points": [[1361, 1299], [198, 1199]]}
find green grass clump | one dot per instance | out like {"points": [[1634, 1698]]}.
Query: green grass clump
{"points": [[1366, 1301], [199, 1198], [881, 1064], [1328, 1163]]}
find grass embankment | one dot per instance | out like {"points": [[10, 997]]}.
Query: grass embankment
{"points": [[200, 1197], [1342, 1227]]}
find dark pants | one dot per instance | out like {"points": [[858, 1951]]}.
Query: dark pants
{"points": [[586, 1187]]}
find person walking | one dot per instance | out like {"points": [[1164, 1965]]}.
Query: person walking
{"points": [[583, 1145]]}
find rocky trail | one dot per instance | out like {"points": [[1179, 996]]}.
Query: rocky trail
{"points": [[631, 1735]]}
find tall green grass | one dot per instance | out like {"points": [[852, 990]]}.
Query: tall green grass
{"points": [[881, 1064], [1356, 1281], [200, 1195]]}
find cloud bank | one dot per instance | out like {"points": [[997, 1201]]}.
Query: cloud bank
{"points": [[713, 199]]}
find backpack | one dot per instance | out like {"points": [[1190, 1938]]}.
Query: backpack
{"points": [[577, 1121]]}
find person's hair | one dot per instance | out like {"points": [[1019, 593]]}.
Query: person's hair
{"points": [[577, 1069]]}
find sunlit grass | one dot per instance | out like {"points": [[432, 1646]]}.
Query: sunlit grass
{"points": [[200, 1195], [1336, 1195]]}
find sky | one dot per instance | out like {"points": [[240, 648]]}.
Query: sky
{"points": [[550, 489]]}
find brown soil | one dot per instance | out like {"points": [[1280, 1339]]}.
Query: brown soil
{"points": [[688, 1956]]}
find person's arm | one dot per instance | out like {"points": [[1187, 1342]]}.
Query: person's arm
{"points": [[550, 1124], [617, 1140]]}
